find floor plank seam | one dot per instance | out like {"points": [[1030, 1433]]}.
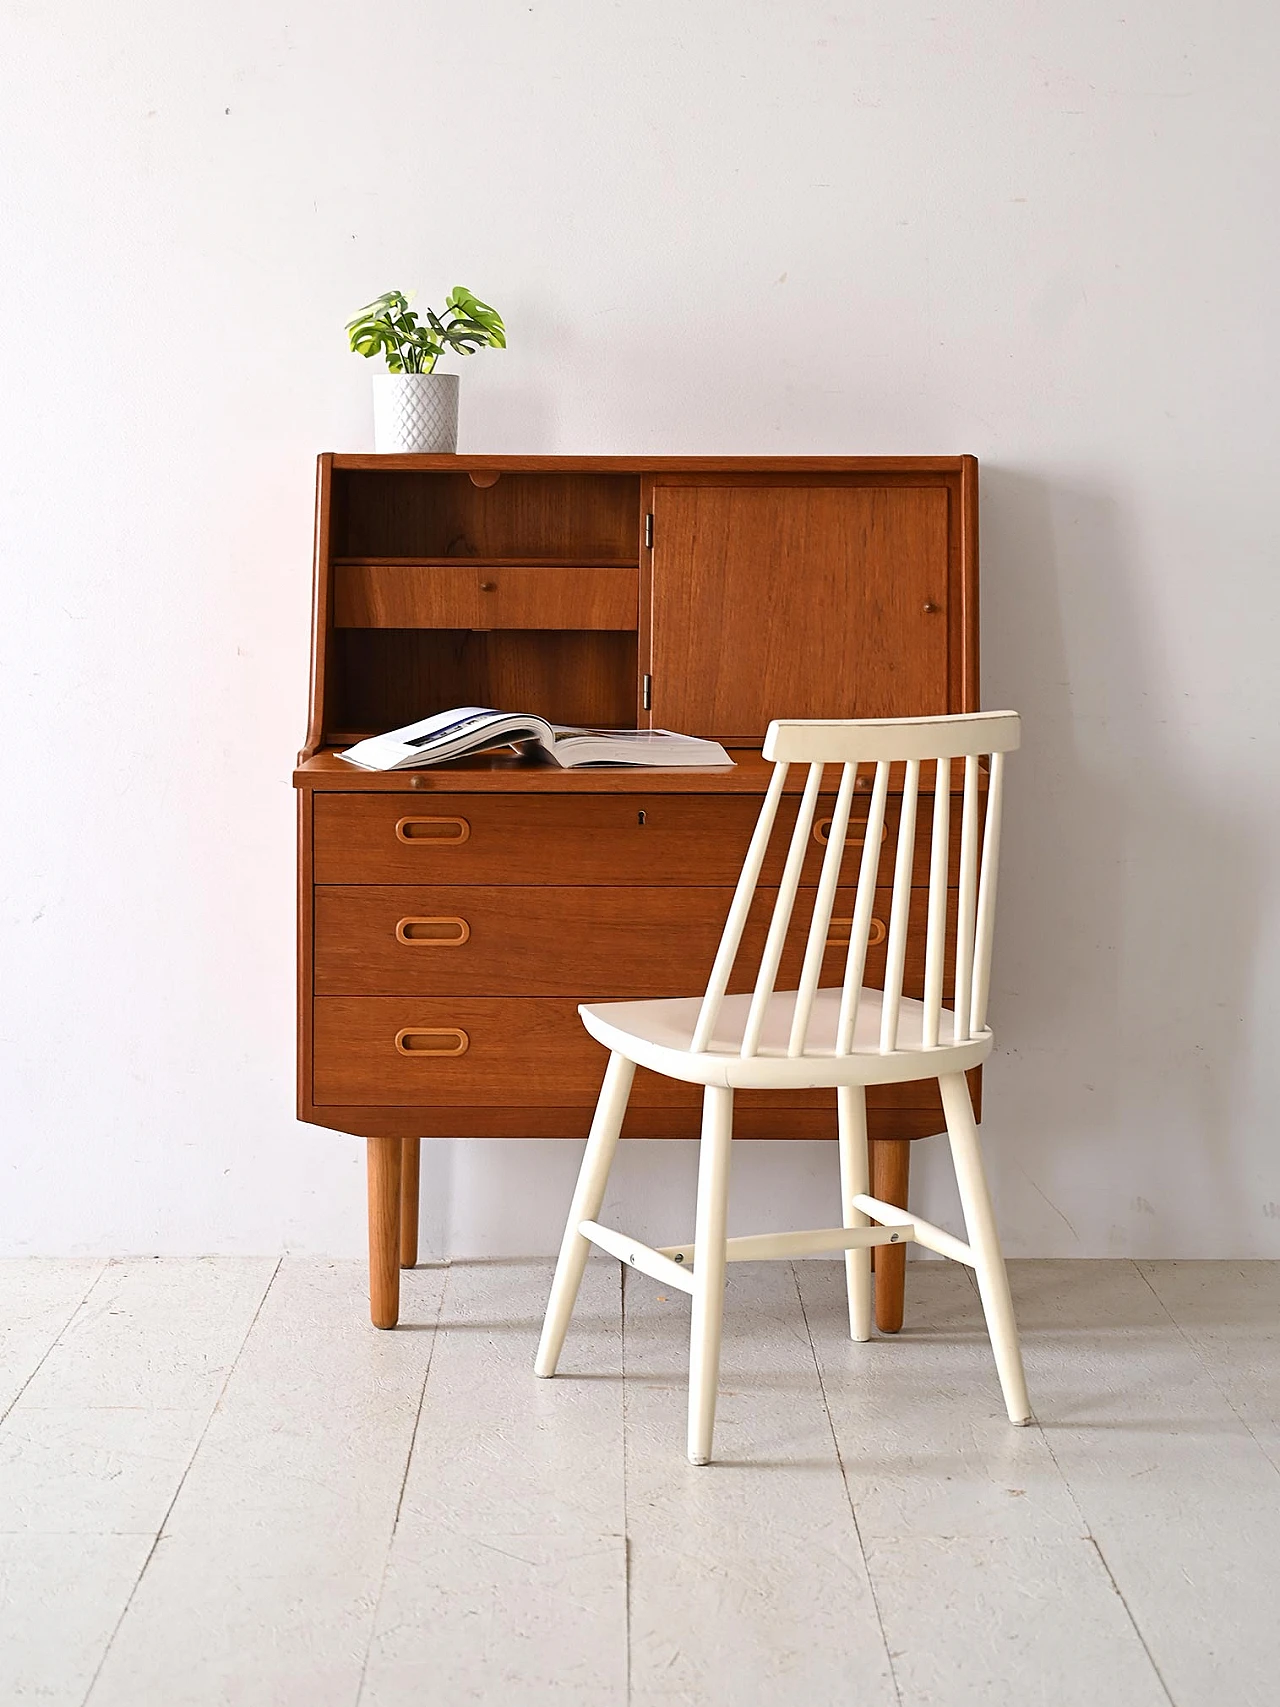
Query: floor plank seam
{"points": [[55, 1342], [1208, 1369], [1088, 1535], [1133, 1622], [848, 1492], [195, 1450], [404, 1482]]}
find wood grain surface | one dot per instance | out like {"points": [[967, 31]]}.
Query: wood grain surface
{"points": [[618, 840], [570, 941], [485, 594], [797, 601]]}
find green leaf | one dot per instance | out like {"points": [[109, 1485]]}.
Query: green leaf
{"points": [[389, 326], [383, 306]]}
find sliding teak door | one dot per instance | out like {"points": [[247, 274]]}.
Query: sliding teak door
{"points": [[804, 597]]}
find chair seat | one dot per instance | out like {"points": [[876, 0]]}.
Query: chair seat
{"points": [[657, 1035]]}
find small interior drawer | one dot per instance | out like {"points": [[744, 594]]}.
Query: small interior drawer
{"points": [[485, 594]]}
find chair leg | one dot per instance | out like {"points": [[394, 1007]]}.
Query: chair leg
{"points": [[588, 1195], [384, 1155], [709, 1256], [891, 1173], [410, 1162], [855, 1178], [980, 1222]]}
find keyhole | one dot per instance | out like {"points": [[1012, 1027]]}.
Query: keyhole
{"points": [[639, 817]]}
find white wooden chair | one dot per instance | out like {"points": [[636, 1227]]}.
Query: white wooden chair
{"points": [[844, 1038]]}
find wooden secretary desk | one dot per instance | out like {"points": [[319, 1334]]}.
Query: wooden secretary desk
{"points": [[451, 919]]}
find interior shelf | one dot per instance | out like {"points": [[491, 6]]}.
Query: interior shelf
{"points": [[473, 561]]}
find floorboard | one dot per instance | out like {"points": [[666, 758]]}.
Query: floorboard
{"points": [[1182, 1502], [94, 1450], [40, 1298], [271, 1559], [960, 1514], [507, 1576], [747, 1578], [60, 1600], [1008, 1622], [923, 1435], [1230, 1313]]}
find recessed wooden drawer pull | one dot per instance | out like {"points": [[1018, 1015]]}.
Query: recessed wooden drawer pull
{"points": [[432, 1040], [448, 830], [822, 833], [433, 933], [839, 929]]}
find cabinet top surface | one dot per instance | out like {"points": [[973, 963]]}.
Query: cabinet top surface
{"points": [[654, 464], [508, 773]]}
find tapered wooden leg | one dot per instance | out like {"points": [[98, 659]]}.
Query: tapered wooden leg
{"points": [[384, 1231], [890, 1169], [410, 1160], [709, 1257], [855, 1179], [984, 1241], [593, 1176]]}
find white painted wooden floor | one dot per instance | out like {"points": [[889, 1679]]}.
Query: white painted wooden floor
{"points": [[219, 1485]]}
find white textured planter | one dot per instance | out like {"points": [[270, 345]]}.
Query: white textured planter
{"points": [[415, 411]]}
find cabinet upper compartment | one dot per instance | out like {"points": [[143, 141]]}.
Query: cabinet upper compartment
{"points": [[547, 517], [702, 594]]}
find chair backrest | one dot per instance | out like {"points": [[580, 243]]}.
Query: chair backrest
{"points": [[909, 742]]}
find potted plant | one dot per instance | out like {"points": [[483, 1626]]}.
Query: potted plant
{"points": [[414, 407]]}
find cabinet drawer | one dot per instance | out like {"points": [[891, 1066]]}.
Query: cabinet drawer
{"points": [[479, 594], [590, 839], [585, 942], [460, 1052], [497, 1053]]}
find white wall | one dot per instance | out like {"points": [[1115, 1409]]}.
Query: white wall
{"points": [[1043, 233]]}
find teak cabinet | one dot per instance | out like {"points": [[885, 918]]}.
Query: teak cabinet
{"points": [[450, 919]]}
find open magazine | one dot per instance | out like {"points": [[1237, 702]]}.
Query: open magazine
{"points": [[475, 728]]}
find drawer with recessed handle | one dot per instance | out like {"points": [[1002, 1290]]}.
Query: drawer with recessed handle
{"points": [[481, 1052], [457, 1052], [483, 940], [622, 839]]}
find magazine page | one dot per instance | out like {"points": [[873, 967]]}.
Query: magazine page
{"points": [[475, 728], [659, 748], [447, 735]]}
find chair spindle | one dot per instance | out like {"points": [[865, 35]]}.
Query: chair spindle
{"points": [[935, 950], [743, 896], [967, 908], [864, 903], [895, 958], [782, 909], [986, 916], [824, 903]]}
